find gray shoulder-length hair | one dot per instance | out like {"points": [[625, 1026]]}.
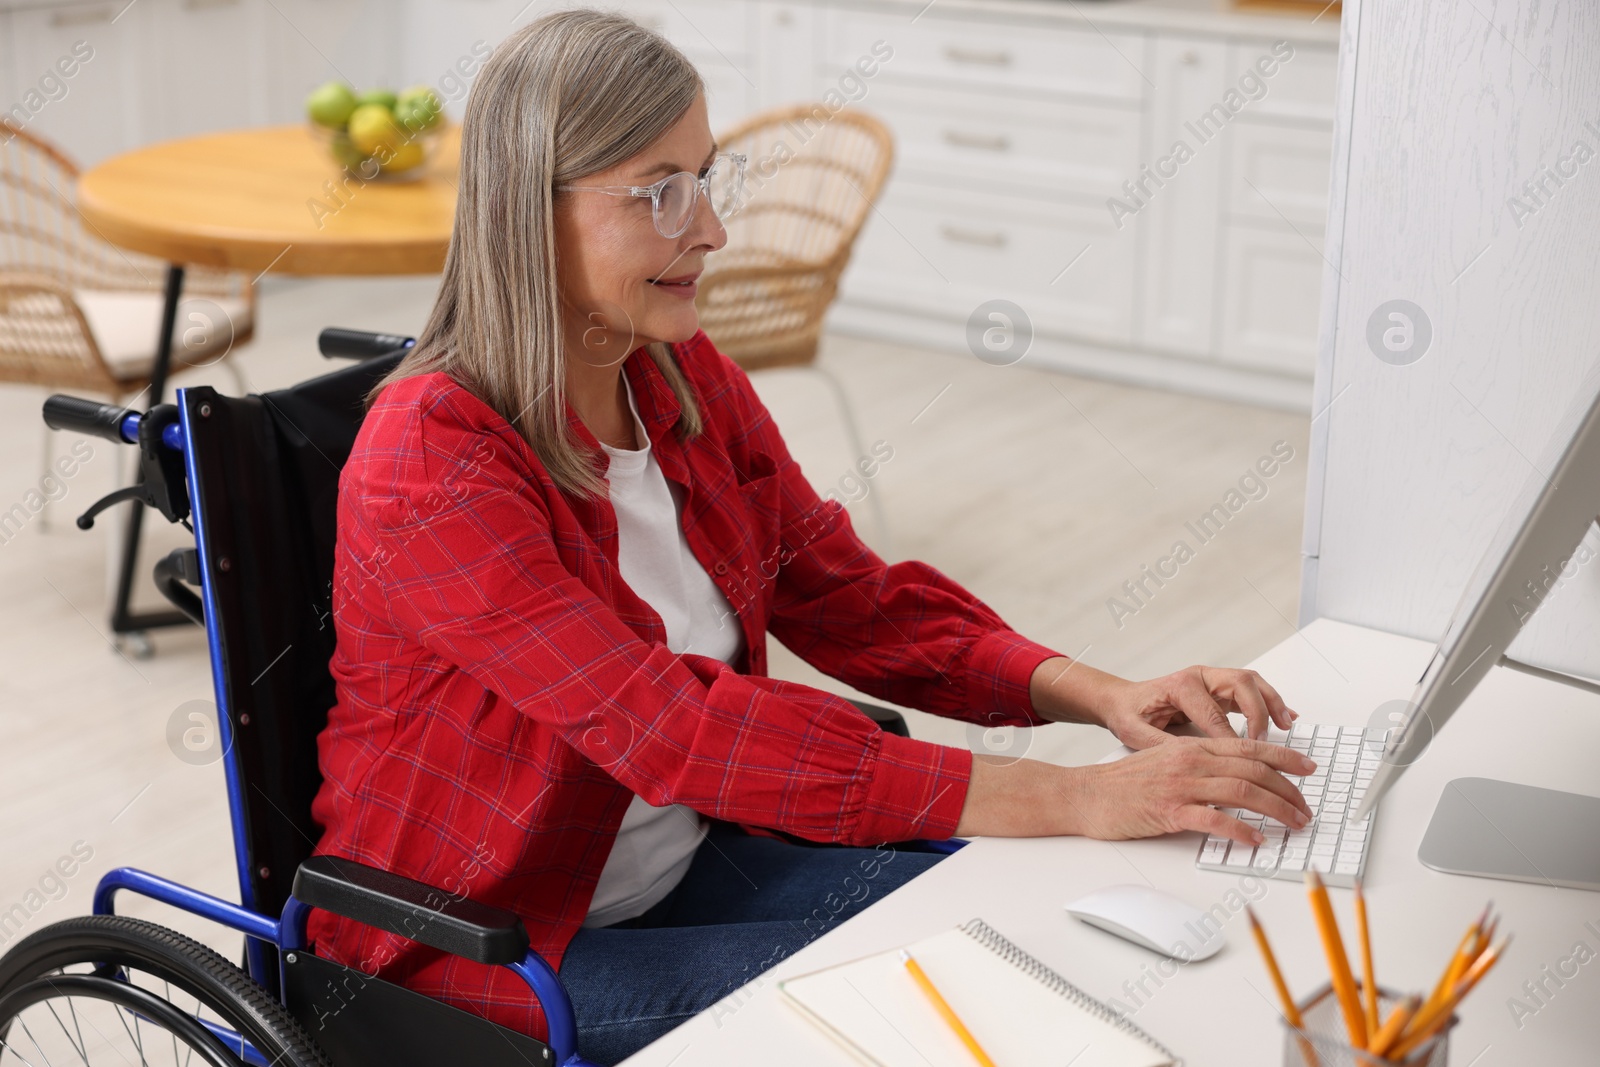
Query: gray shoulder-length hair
{"points": [[568, 95]]}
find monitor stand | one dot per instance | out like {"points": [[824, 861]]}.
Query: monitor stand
{"points": [[1518, 833]]}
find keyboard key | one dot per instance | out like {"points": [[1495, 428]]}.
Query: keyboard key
{"points": [[1240, 855]]}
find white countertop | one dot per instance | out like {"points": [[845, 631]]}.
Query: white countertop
{"points": [[1208, 17]]}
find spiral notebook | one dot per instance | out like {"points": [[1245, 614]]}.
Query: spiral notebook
{"points": [[1020, 1011]]}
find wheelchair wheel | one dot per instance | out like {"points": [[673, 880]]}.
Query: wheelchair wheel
{"points": [[104, 989]]}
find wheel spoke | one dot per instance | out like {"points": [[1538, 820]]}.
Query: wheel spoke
{"points": [[81, 1043], [97, 1032], [36, 1045], [120, 1012], [6, 1046], [78, 1046]]}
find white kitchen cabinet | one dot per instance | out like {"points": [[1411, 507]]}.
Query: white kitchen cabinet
{"points": [[938, 255], [785, 42], [1015, 131], [1279, 173], [717, 36], [309, 42], [992, 54], [97, 112], [1300, 89], [201, 67], [8, 66], [443, 43], [1178, 228], [1271, 284], [1041, 148]]}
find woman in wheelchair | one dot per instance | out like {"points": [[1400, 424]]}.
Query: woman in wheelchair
{"points": [[565, 532]]}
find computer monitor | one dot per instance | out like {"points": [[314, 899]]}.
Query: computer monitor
{"points": [[1481, 826]]}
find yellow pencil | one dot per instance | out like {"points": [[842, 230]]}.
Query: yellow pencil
{"points": [[1369, 983], [1344, 983], [1433, 1017], [1291, 1011], [1386, 1035], [945, 1011], [1459, 961], [1485, 937]]}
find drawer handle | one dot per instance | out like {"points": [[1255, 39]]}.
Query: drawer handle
{"points": [[989, 239], [81, 18], [956, 54], [994, 142], [204, 5]]}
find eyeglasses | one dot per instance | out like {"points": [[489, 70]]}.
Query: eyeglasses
{"points": [[674, 198]]}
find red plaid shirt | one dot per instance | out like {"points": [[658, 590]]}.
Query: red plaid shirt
{"points": [[503, 693]]}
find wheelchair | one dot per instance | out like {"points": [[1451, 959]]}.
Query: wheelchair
{"points": [[255, 479]]}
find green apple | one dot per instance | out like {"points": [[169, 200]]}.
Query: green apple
{"points": [[418, 108], [330, 105], [385, 97]]}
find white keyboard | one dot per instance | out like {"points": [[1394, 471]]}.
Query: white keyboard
{"points": [[1332, 843]]}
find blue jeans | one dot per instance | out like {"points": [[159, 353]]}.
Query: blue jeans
{"points": [[745, 903]]}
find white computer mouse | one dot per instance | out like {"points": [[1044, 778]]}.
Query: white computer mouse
{"points": [[1158, 921]]}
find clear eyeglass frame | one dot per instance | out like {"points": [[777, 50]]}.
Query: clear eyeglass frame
{"points": [[673, 199]]}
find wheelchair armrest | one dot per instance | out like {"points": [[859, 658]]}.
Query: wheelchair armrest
{"points": [[412, 909], [888, 719]]}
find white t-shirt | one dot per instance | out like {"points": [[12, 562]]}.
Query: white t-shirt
{"points": [[655, 845]]}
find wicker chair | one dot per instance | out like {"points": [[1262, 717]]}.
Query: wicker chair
{"points": [[812, 178], [79, 314]]}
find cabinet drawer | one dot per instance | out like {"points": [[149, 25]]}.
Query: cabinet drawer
{"points": [[696, 26], [729, 96], [1273, 281], [1051, 146], [1304, 87], [1277, 169], [944, 253], [992, 53]]}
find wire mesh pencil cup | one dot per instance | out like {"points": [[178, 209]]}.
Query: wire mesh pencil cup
{"points": [[1326, 1043]]}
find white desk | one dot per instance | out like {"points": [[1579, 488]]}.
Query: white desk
{"points": [[1221, 1011]]}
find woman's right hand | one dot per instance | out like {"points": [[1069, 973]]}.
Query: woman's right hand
{"points": [[1159, 790]]}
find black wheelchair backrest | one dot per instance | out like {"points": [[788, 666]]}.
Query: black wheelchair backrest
{"points": [[264, 482]]}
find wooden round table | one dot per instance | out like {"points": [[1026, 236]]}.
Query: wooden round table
{"points": [[269, 199], [273, 199]]}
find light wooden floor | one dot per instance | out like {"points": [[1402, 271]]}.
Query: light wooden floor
{"points": [[1041, 493]]}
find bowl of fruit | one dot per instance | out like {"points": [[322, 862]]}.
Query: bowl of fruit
{"points": [[378, 133]]}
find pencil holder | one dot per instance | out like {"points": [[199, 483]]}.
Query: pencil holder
{"points": [[1325, 1042]]}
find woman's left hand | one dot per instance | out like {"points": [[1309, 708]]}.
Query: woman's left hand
{"points": [[1139, 713]]}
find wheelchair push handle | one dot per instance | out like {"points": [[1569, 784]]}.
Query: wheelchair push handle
{"points": [[338, 343], [158, 433], [108, 421]]}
